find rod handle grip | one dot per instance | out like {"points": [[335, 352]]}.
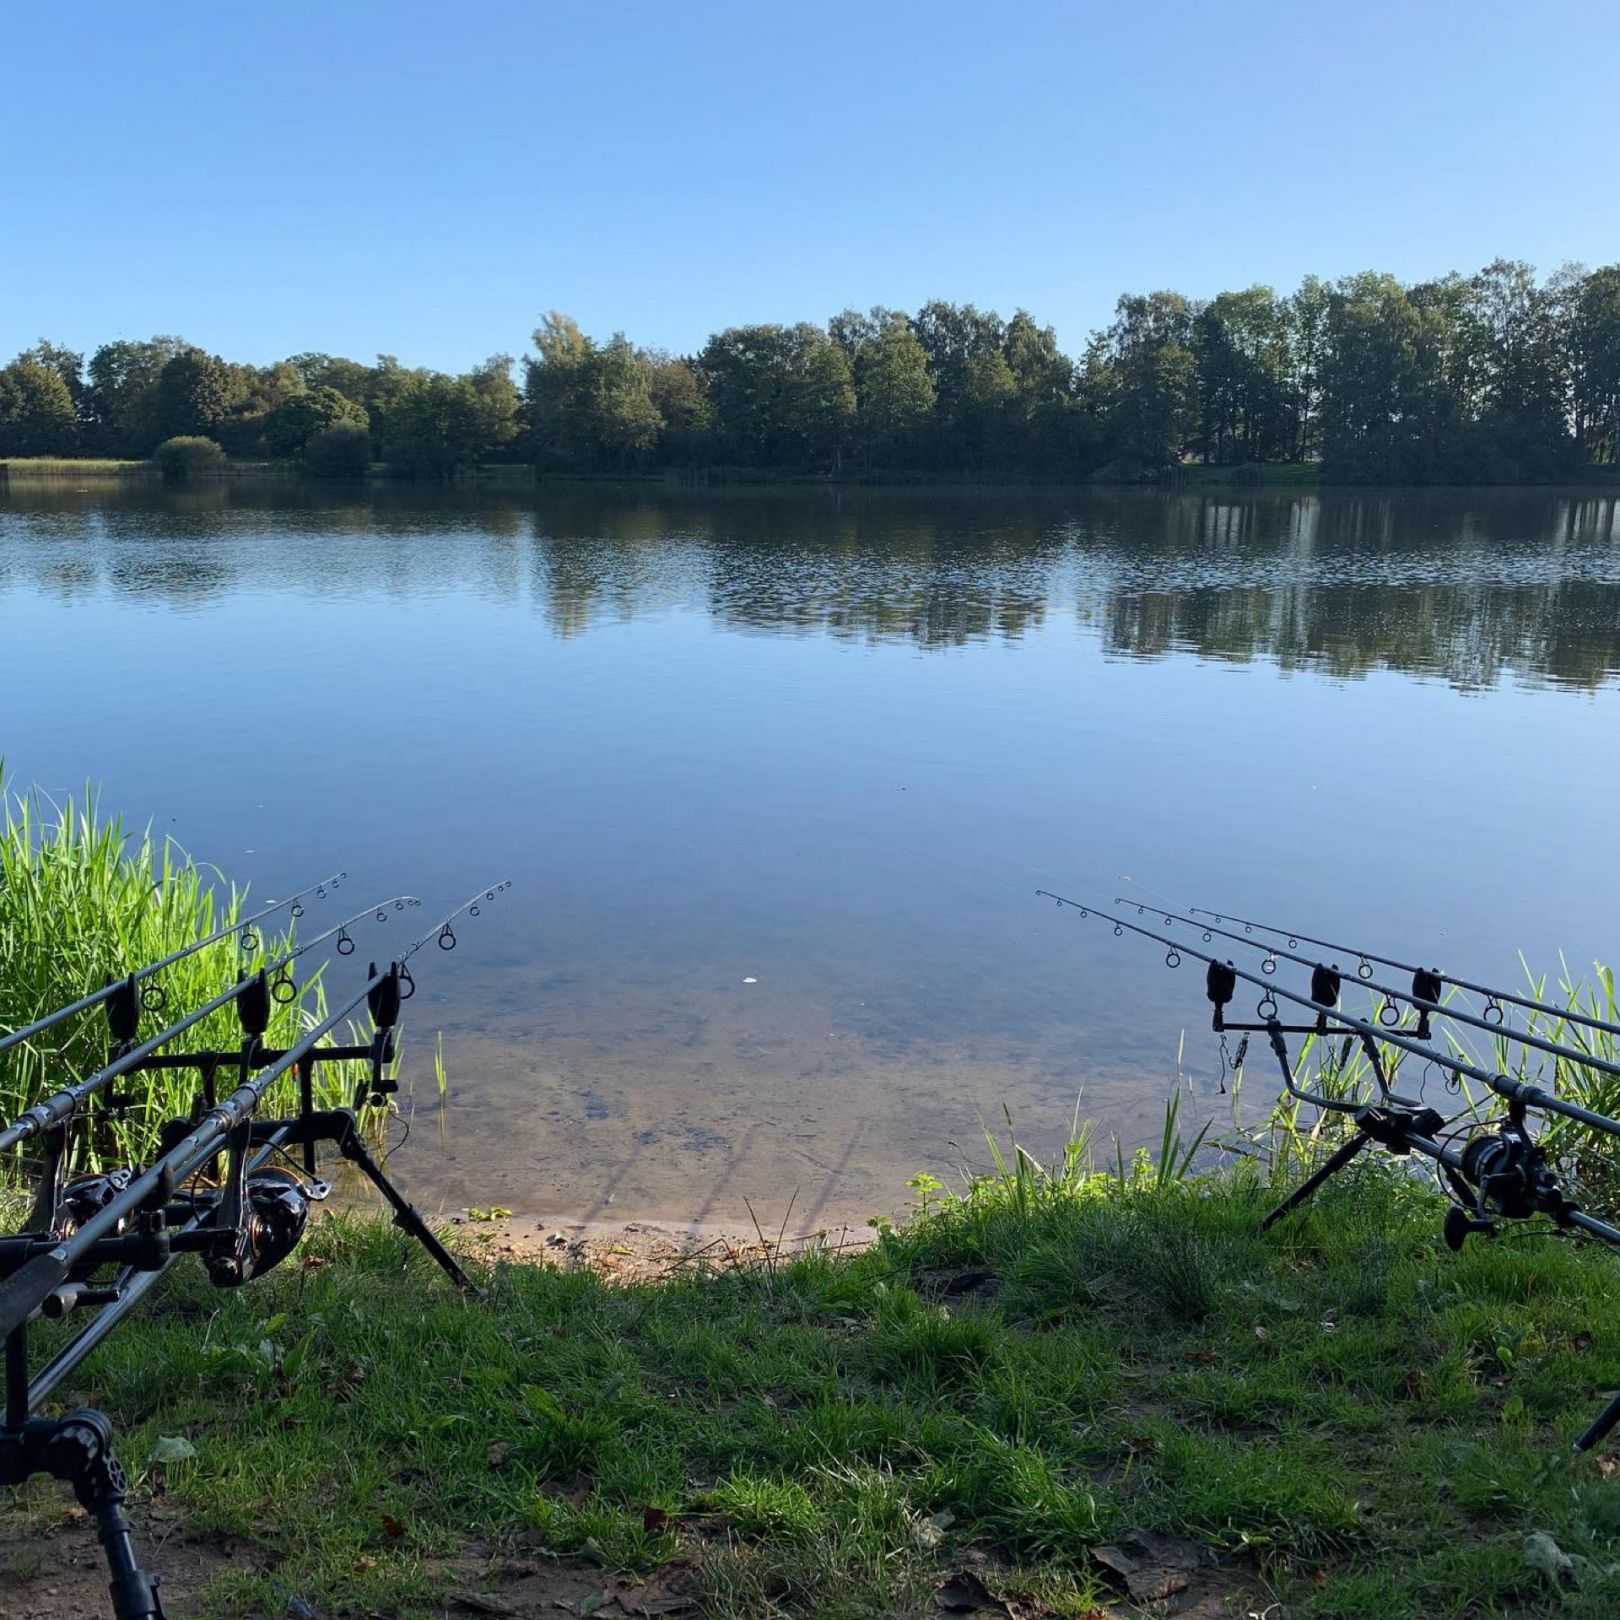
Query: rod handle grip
{"points": [[27, 1287]]}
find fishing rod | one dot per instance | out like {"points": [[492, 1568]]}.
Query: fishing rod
{"points": [[26, 1290], [1424, 995], [1522, 1092], [139, 1221], [59, 1108], [443, 932], [1501, 1173], [1364, 959], [152, 996], [83, 1204]]}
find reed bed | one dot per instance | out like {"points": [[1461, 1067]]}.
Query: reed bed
{"points": [[54, 467], [83, 900]]}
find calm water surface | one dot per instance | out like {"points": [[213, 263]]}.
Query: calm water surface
{"points": [[776, 777]]}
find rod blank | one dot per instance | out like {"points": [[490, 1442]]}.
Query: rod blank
{"points": [[1569, 1015]]}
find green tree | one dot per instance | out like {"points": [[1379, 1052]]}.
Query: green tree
{"points": [[195, 393], [1142, 378], [782, 396], [893, 392], [1524, 372], [677, 394], [301, 415], [438, 424], [340, 451], [120, 402], [68, 364], [1368, 377], [963, 345], [1305, 318], [590, 406], [37, 417], [1594, 355], [1242, 352]]}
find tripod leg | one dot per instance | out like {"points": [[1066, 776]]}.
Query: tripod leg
{"points": [[78, 1448], [1599, 1426], [405, 1215], [1336, 1162]]}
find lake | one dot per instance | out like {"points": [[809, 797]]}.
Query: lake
{"points": [[776, 775]]}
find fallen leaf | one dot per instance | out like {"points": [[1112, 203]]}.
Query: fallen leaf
{"points": [[1608, 1462], [1197, 1355], [169, 1448], [965, 1592], [395, 1528], [1151, 1566], [653, 1518]]}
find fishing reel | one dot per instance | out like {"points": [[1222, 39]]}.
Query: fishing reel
{"points": [[85, 1197], [1511, 1180], [275, 1211]]}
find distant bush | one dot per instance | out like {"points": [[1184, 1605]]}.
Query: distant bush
{"points": [[180, 457], [341, 451]]}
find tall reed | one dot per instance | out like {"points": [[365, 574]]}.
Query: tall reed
{"points": [[81, 901]]}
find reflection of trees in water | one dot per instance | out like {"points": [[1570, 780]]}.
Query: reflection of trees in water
{"points": [[1461, 584], [857, 566], [1463, 587]]}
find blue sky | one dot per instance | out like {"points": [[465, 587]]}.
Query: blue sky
{"points": [[427, 179]]}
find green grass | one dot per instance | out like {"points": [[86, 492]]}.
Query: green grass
{"points": [[82, 899], [1354, 1420], [22, 467]]}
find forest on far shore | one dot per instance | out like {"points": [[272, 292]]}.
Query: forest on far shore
{"points": [[1498, 377]]}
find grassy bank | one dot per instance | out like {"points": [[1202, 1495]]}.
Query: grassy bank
{"points": [[1342, 1417], [23, 468]]}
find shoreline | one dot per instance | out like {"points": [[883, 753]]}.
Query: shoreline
{"points": [[53, 472]]}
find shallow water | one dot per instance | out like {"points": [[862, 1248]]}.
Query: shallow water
{"points": [[776, 776]]}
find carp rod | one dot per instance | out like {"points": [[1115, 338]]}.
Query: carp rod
{"points": [[1365, 959], [36, 1279], [1520, 1092], [61, 1105], [30, 1286], [152, 997], [1501, 1173], [137, 1222], [1424, 994]]}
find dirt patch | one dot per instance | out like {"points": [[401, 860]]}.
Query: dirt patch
{"points": [[639, 1251], [58, 1572], [522, 1589]]}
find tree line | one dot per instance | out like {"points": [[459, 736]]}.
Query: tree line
{"points": [[1495, 377]]}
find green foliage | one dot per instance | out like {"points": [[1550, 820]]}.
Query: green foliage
{"points": [[81, 900], [1496, 377], [341, 451], [37, 415], [430, 425], [194, 395], [591, 406], [181, 457], [290, 426]]}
